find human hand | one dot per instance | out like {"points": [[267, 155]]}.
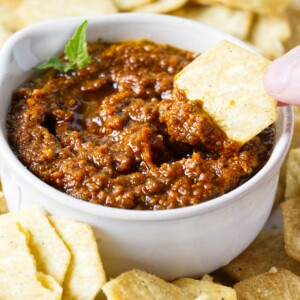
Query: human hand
{"points": [[282, 79]]}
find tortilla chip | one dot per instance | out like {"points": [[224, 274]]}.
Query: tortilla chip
{"points": [[292, 174], [275, 285], [232, 21], [265, 7], [34, 11], [294, 144], [3, 206], [137, 285], [162, 6], [294, 20], [295, 5], [269, 34], [51, 255], [127, 5], [206, 289], [85, 275], [279, 197], [4, 34], [207, 277], [51, 284], [291, 223], [296, 136], [18, 276], [267, 251], [229, 81], [7, 13]]}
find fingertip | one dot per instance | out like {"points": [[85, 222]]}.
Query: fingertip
{"points": [[281, 80]]}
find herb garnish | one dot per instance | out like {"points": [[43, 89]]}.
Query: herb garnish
{"points": [[75, 50]]}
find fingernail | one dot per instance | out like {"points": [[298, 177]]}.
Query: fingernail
{"points": [[280, 73]]}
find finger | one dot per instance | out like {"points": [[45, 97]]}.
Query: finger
{"points": [[283, 77]]}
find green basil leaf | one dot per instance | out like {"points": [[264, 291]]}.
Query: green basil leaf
{"points": [[53, 62], [76, 49]]}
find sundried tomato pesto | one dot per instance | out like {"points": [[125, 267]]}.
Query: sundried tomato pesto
{"points": [[117, 134]]}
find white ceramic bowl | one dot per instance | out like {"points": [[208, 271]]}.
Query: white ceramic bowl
{"points": [[181, 242]]}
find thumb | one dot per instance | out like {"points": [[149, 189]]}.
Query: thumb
{"points": [[282, 79]]}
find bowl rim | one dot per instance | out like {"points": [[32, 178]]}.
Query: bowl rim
{"points": [[262, 177]]}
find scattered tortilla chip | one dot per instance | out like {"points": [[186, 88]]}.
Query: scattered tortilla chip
{"points": [[267, 251], [85, 275], [295, 5], [275, 285], [291, 223], [206, 289], [279, 197], [51, 255], [162, 6], [51, 284], [265, 7], [296, 136], [137, 285], [19, 279], [207, 277], [7, 12], [4, 34], [127, 5], [34, 11], [3, 206], [269, 33], [294, 144], [292, 178], [294, 20], [232, 21], [229, 81]]}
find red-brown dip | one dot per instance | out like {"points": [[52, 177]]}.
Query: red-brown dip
{"points": [[117, 134]]}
